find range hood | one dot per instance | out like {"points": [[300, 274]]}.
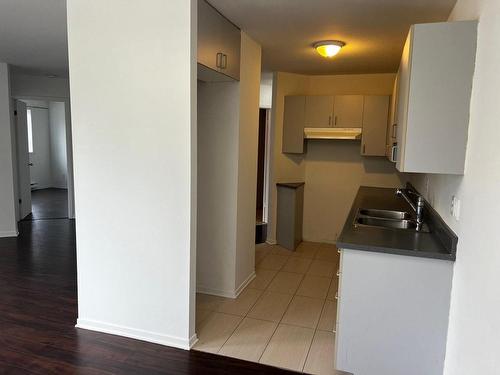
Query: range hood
{"points": [[332, 133]]}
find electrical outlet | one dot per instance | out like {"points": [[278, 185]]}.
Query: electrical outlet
{"points": [[455, 207]]}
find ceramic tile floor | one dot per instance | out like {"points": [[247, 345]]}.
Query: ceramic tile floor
{"points": [[285, 317]]}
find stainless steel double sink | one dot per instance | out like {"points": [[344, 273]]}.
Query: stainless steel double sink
{"points": [[387, 219]]}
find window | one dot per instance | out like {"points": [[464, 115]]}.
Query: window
{"points": [[30, 132]]}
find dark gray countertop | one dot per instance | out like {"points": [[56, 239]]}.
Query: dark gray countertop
{"points": [[392, 241], [292, 185]]}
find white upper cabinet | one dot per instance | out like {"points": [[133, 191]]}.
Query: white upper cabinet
{"points": [[392, 123], [319, 111], [348, 111], [375, 112], [434, 89], [219, 44]]}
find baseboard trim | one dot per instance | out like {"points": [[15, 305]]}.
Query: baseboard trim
{"points": [[271, 242], [245, 283], [193, 340], [215, 292], [226, 293], [9, 233], [137, 334]]}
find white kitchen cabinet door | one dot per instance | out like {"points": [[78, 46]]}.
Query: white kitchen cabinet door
{"points": [[435, 85], [293, 125], [392, 123], [219, 43], [319, 111], [375, 116], [348, 111]]}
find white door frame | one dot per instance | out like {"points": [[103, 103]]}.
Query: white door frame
{"points": [[23, 193], [69, 144]]}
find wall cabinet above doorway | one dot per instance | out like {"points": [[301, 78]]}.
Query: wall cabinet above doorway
{"points": [[336, 117], [219, 43]]}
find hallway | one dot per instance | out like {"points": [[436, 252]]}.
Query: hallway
{"points": [[50, 203], [38, 310]]}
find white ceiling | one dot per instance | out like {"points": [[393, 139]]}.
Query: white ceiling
{"points": [[33, 32], [33, 36], [373, 30]]}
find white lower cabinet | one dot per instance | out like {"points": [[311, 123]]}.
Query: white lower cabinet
{"points": [[392, 314]]}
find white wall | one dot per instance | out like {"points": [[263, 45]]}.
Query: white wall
{"points": [[217, 187], [133, 113], [332, 170], [227, 174], [247, 160], [474, 327], [58, 157], [37, 86], [8, 225]]}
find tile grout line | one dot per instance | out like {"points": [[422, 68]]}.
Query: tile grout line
{"points": [[279, 322], [251, 307]]}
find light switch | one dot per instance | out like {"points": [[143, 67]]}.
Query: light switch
{"points": [[455, 207]]}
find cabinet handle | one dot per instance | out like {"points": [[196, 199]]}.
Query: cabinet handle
{"points": [[218, 60], [224, 61], [337, 295], [330, 120], [394, 150], [335, 120], [338, 273], [364, 149], [394, 130]]}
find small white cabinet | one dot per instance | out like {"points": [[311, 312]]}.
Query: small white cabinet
{"points": [[319, 111], [375, 112], [348, 111], [435, 82], [219, 44], [293, 124]]}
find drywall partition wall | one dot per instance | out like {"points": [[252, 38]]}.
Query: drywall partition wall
{"points": [[283, 167], [334, 170], [8, 225], [29, 86], [247, 160], [134, 175], [58, 151], [217, 187], [474, 326]]}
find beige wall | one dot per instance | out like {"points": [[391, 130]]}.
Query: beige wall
{"points": [[247, 160], [474, 327], [227, 173], [332, 170]]}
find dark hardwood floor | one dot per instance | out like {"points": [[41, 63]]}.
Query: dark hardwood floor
{"points": [[50, 203], [38, 310]]}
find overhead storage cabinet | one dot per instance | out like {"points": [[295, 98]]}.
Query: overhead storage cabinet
{"points": [[435, 82]]}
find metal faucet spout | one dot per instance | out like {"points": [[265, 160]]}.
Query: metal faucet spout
{"points": [[418, 207]]}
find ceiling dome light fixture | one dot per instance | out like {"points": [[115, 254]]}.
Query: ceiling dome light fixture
{"points": [[328, 48]]}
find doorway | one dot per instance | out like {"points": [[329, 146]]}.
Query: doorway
{"points": [[42, 159], [262, 177]]}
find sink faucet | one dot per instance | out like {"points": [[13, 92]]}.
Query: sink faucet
{"points": [[418, 207]]}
